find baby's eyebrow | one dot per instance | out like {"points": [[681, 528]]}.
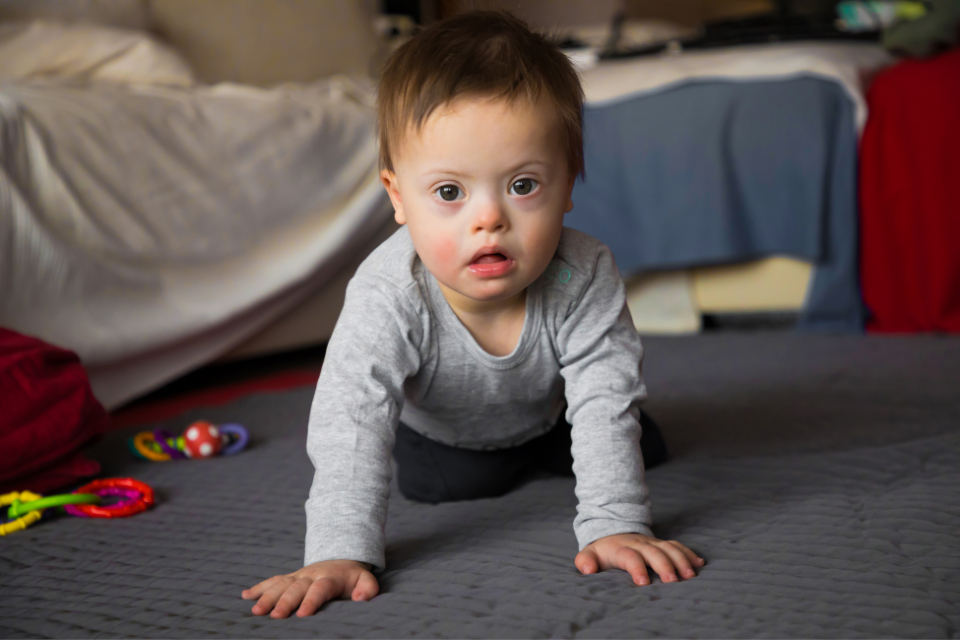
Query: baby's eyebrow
{"points": [[447, 172], [528, 163], [464, 174]]}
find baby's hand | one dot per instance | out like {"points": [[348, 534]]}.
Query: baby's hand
{"points": [[307, 589], [632, 552]]}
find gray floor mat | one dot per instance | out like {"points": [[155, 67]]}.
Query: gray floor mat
{"points": [[818, 476]]}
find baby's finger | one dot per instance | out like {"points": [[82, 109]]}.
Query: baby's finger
{"points": [[291, 598], [587, 561], [268, 599], [679, 560], [632, 562], [367, 587], [257, 590], [691, 556], [659, 562], [320, 591]]}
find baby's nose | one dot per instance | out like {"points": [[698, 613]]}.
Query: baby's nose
{"points": [[490, 218]]}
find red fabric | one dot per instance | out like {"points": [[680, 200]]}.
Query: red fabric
{"points": [[47, 412], [910, 197]]}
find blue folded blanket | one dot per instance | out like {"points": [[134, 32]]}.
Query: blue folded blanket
{"points": [[723, 171]]}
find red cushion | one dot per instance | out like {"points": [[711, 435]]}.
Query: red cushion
{"points": [[910, 197], [47, 412]]}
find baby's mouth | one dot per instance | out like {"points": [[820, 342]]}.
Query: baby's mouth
{"points": [[490, 263], [490, 258]]}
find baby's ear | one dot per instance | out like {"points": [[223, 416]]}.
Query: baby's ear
{"points": [[569, 206], [389, 180]]}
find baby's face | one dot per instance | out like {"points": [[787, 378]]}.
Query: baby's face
{"points": [[483, 188]]}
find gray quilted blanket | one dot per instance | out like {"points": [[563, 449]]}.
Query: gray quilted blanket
{"points": [[819, 477]]}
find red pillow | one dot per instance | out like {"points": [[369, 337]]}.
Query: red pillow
{"points": [[47, 412]]}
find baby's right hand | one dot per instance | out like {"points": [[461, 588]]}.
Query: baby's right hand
{"points": [[311, 586]]}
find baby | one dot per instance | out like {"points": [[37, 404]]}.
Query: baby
{"points": [[483, 339]]}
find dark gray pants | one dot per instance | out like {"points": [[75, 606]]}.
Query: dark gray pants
{"points": [[429, 471]]}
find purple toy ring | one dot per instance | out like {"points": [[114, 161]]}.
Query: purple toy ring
{"points": [[238, 445]]}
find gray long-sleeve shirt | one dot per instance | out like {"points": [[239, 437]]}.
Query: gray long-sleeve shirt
{"points": [[400, 352]]}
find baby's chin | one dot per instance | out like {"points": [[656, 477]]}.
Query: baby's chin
{"points": [[485, 292]]}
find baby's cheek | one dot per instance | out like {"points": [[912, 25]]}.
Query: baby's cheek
{"points": [[445, 252]]}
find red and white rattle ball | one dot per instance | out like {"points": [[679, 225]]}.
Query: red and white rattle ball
{"points": [[201, 440]]}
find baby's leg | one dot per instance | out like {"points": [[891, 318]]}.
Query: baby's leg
{"points": [[552, 449], [428, 471], [652, 444]]}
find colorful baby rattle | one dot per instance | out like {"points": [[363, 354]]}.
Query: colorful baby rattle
{"points": [[200, 440], [26, 508]]}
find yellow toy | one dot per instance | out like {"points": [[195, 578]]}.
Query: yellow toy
{"points": [[25, 520]]}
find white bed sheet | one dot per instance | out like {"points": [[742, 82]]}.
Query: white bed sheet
{"points": [[152, 228]]}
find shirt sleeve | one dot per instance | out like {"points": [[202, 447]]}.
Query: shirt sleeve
{"points": [[600, 359], [353, 422]]}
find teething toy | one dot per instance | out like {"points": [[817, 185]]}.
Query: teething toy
{"points": [[200, 440], [26, 508]]}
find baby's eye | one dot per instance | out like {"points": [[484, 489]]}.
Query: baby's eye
{"points": [[449, 192], [523, 186]]}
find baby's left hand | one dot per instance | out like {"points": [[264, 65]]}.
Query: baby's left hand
{"points": [[632, 552]]}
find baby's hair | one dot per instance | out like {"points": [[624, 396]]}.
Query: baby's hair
{"points": [[483, 53]]}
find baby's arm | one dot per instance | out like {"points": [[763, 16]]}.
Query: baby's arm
{"points": [[353, 421], [600, 361]]}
